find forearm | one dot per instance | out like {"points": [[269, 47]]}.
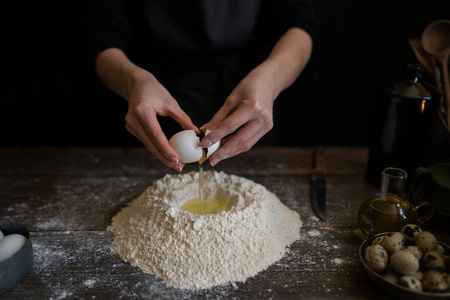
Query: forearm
{"points": [[118, 73], [287, 59]]}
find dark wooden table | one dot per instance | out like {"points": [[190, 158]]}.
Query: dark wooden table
{"points": [[67, 197]]}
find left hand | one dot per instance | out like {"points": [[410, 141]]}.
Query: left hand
{"points": [[247, 112]]}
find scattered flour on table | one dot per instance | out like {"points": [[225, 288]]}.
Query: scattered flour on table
{"points": [[200, 251], [314, 233]]}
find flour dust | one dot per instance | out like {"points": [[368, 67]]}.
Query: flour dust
{"points": [[192, 251]]}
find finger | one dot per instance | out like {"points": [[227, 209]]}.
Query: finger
{"points": [[173, 163], [153, 130], [218, 117], [135, 127], [241, 142], [183, 119], [228, 126]]}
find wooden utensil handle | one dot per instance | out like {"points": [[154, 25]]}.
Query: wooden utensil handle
{"points": [[446, 88]]}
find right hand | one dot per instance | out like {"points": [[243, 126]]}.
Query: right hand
{"points": [[147, 99]]}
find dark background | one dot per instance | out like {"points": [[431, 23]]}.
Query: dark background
{"points": [[46, 98]]}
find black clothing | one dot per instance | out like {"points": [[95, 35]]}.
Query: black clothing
{"points": [[199, 50]]}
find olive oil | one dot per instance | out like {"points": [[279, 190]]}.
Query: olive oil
{"points": [[204, 206], [385, 214]]}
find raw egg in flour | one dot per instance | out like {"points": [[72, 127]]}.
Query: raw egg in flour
{"points": [[187, 145]]}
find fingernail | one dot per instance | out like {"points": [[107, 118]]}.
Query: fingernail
{"points": [[206, 144], [214, 162]]}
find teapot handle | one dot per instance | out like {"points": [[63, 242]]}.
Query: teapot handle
{"points": [[417, 177]]}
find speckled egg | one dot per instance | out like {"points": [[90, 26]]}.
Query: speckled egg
{"points": [[433, 260], [440, 249], [426, 241], [404, 262], [376, 258], [392, 242], [434, 281], [410, 232], [377, 240], [415, 250], [411, 283], [447, 262], [391, 277], [418, 274]]}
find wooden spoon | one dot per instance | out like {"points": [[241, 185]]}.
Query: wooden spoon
{"points": [[423, 57], [436, 40]]}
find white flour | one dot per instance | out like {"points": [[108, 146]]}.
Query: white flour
{"points": [[200, 251]]}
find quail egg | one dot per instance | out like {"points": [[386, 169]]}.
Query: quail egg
{"points": [[433, 260], [426, 241], [376, 258], [411, 283], [392, 242], [404, 262]]}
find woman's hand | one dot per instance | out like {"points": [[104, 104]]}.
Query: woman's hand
{"points": [[147, 99], [248, 110]]}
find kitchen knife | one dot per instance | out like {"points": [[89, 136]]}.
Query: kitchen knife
{"points": [[319, 184]]}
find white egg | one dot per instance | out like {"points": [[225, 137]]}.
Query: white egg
{"points": [[1, 235], [187, 145], [10, 244]]}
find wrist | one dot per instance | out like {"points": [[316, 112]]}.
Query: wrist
{"points": [[136, 77], [267, 72]]}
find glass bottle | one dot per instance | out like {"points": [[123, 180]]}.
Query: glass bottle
{"points": [[389, 210], [403, 121]]}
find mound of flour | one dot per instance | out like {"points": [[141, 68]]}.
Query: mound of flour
{"points": [[200, 251]]}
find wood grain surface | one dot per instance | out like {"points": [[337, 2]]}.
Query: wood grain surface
{"points": [[66, 197]]}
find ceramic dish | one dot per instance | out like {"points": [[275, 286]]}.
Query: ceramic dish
{"points": [[398, 290], [15, 268]]}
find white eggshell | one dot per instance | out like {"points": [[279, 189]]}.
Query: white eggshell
{"points": [[187, 145], [1, 235], [213, 148], [10, 244]]}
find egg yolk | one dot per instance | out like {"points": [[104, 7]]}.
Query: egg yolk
{"points": [[202, 160]]}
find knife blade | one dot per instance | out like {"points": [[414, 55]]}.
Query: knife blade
{"points": [[319, 184]]}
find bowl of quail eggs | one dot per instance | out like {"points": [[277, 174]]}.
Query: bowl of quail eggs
{"points": [[411, 263]]}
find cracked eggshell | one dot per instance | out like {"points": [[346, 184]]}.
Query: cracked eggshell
{"points": [[187, 145], [212, 148]]}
